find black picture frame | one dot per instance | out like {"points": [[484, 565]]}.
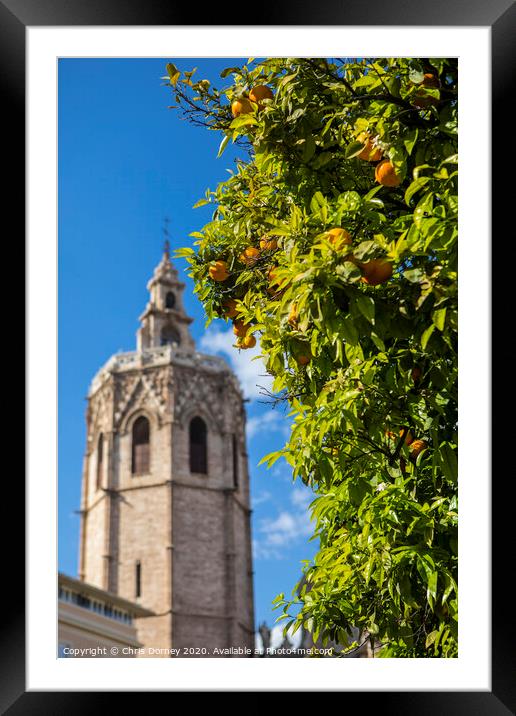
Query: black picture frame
{"points": [[500, 15]]}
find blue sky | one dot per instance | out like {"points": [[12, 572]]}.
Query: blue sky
{"points": [[125, 163]]}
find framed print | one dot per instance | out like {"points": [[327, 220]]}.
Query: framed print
{"points": [[81, 67]]}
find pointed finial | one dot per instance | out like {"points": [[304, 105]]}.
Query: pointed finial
{"points": [[166, 245]]}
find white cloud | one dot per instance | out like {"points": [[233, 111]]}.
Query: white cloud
{"points": [[264, 496], [302, 497], [279, 533], [251, 373], [275, 535], [267, 421]]}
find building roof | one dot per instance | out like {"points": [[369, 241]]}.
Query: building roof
{"points": [[136, 610]]}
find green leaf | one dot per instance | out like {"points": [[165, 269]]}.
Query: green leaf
{"points": [[426, 335], [243, 121], [415, 275], [228, 70], [366, 307], [353, 149], [223, 145], [438, 317], [201, 202], [449, 462], [430, 639], [349, 331], [409, 140], [173, 73], [414, 187], [308, 148]]}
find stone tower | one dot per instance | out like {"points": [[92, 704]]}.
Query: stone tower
{"points": [[165, 518]]}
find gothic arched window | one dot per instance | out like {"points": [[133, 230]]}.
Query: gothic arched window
{"points": [[100, 460], [170, 300], [138, 579], [198, 446], [169, 335], [140, 458]]}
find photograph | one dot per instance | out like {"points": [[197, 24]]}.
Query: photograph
{"points": [[257, 281]]}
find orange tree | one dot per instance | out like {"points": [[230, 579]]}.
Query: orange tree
{"points": [[334, 241]]}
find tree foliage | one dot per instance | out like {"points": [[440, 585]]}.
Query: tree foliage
{"points": [[369, 368]]}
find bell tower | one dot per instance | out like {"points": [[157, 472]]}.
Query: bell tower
{"points": [[165, 517], [164, 321]]}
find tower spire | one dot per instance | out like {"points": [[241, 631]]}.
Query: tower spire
{"points": [[166, 244], [164, 321]]}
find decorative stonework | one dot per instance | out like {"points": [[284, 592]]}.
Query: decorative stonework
{"points": [[100, 411], [198, 390]]}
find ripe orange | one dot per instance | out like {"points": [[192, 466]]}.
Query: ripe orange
{"points": [[370, 153], [416, 373], [303, 359], [240, 329], [421, 100], [431, 81], [249, 256], [259, 93], [409, 438], [376, 271], [339, 238], [272, 275], [417, 447], [268, 244], [248, 342], [230, 307], [385, 174], [218, 271], [390, 434], [241, 106]]}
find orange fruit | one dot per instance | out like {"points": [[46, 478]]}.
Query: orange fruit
{"points": [[431, 81], [248, 342], [409, 438], [416, 447], [274, 281], [259, 93], [370, 153], [422, 100], [241, 106], [240, 328], [268, 244], [249, 256], [303, 359], [230, 308], [386, 175], [218, 271], [416, 373], [376, 271], [339, 238]]}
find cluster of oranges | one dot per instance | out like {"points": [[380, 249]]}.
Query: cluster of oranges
{"points": [[219, 272], [374, 273], [384, 172], [416, 446], [243, 105]]}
